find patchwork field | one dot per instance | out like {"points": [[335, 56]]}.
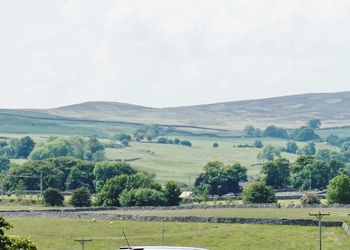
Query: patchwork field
{"points": [[59, 234]]}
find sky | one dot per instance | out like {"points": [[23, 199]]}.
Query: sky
{"points": [[163, 53]]}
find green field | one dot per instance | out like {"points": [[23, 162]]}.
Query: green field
{"points": [[59, 234], [167, 161], [337, 214], [184, 163]]}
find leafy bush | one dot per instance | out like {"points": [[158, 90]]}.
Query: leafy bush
{"points": [[259, 192], [309, 199], [13, 242], [339, 190], [81, 197], [109, 194], [53, 197], [142, 197], [186, 143]]}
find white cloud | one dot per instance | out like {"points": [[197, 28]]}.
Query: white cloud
{"points": [[165, 53]]}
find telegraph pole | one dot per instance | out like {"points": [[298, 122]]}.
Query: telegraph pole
{"points": [[41, 183], [82, 242], [319, 216], [310, 181]]}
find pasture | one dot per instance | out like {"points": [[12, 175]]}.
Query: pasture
{"points": [[184, 164], [59, 234]]}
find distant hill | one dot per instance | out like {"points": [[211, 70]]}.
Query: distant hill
{"points": [[288, 111]]}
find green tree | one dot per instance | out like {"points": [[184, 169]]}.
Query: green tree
{"points": [[306, 169], [277, 173], [258, 144], [110, 192], [259, 192], [3, 143], [81, 197], [291, 147], [24, 147], [142, 197], [106, 170], [339, 190], [221, 179], [172, 193], [81, 176], [333, 140], [249, 131], [304, 134], [53, 197], [77, 147], [186, 143], [125, 143], [4, 165], [314, 123], [273, 131], [309, 149], [269, 153], [8, 152], [13, 242], [215, 145], [122, 137], [26, 176]]}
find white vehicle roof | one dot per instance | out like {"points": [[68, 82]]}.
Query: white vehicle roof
{"points": [[160, 248]]}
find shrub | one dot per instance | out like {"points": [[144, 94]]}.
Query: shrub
{"points": [[53, 197], [215, 145], [8, 242], [339, 190], [125, 143], [309, 198], [258, 144], [81, 197], [142, 197], [259, 192], [186, 143]]}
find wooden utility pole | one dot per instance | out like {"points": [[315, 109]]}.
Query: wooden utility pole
{"points": [[82, 242], [319, 216]]}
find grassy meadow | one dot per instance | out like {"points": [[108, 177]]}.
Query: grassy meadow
{"points": [[59, 234], [184, 164]]}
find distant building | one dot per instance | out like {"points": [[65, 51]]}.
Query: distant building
{"points": [[187, 195]]}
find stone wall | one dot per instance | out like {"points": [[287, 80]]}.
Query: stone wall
{"points": [[196, 219]]}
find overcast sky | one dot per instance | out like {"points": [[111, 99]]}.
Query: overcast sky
{"points": [[170, 52]]}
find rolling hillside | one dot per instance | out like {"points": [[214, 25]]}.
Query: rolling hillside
{"points": [[287, 111], [290, 111]]}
